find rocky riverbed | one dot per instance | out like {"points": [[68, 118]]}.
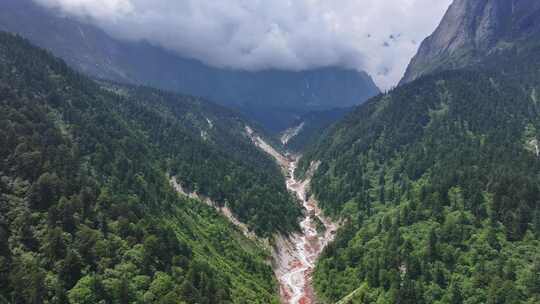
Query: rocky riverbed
{"points": [[295, 256]]}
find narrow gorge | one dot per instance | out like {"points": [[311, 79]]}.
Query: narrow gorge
{"points": [[295, 256]]}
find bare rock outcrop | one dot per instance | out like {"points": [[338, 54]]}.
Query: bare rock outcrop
{"points": [[472, 30]]}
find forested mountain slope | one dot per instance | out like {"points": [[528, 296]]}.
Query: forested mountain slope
{"points": [[274, 98], [87, 212], [438, 183]]}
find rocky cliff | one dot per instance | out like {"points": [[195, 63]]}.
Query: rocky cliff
{"points": [[472, 30]]}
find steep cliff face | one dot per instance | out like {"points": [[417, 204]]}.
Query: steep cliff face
{"points": [[473, 29]]}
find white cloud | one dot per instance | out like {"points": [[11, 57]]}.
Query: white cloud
{"points": [[373, 35], [94, 9]]}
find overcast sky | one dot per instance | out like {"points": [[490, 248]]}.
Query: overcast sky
{"points": [[378, 36]]}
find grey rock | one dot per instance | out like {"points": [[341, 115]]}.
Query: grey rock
{"points": [[472, 30]]}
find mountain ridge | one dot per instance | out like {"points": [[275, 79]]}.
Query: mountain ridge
{"points": [[472, 30], [275, 98], [88, 213], [437, 179]]}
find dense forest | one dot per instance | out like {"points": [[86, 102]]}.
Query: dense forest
{"points": [[87, 212], [206, 148], [438, 185]]}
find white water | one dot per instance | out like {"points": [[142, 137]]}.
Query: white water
{"points": [[291, 133], [297, 256]]}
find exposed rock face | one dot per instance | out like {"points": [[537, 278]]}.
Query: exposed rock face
{"points": [[473, 29]]}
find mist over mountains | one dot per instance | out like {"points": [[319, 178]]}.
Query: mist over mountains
{"points": [[298, 182], [274, 98], [378, 37]]}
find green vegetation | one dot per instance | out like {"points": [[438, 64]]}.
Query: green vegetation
{"points": [[87, 213], [206, 148], [438, 183]]}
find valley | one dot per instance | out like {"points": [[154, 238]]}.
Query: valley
{"points": [[295, 256], [222, 184]]}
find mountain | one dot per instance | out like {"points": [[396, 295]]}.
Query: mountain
{"points": [[206, 146], [275, 98], [436, 182], [472, 30], [89, 212]]}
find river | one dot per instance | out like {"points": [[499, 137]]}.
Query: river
{"points": [[296, 255]]}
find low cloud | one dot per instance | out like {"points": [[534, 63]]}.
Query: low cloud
{"points": [[377, 36]]}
